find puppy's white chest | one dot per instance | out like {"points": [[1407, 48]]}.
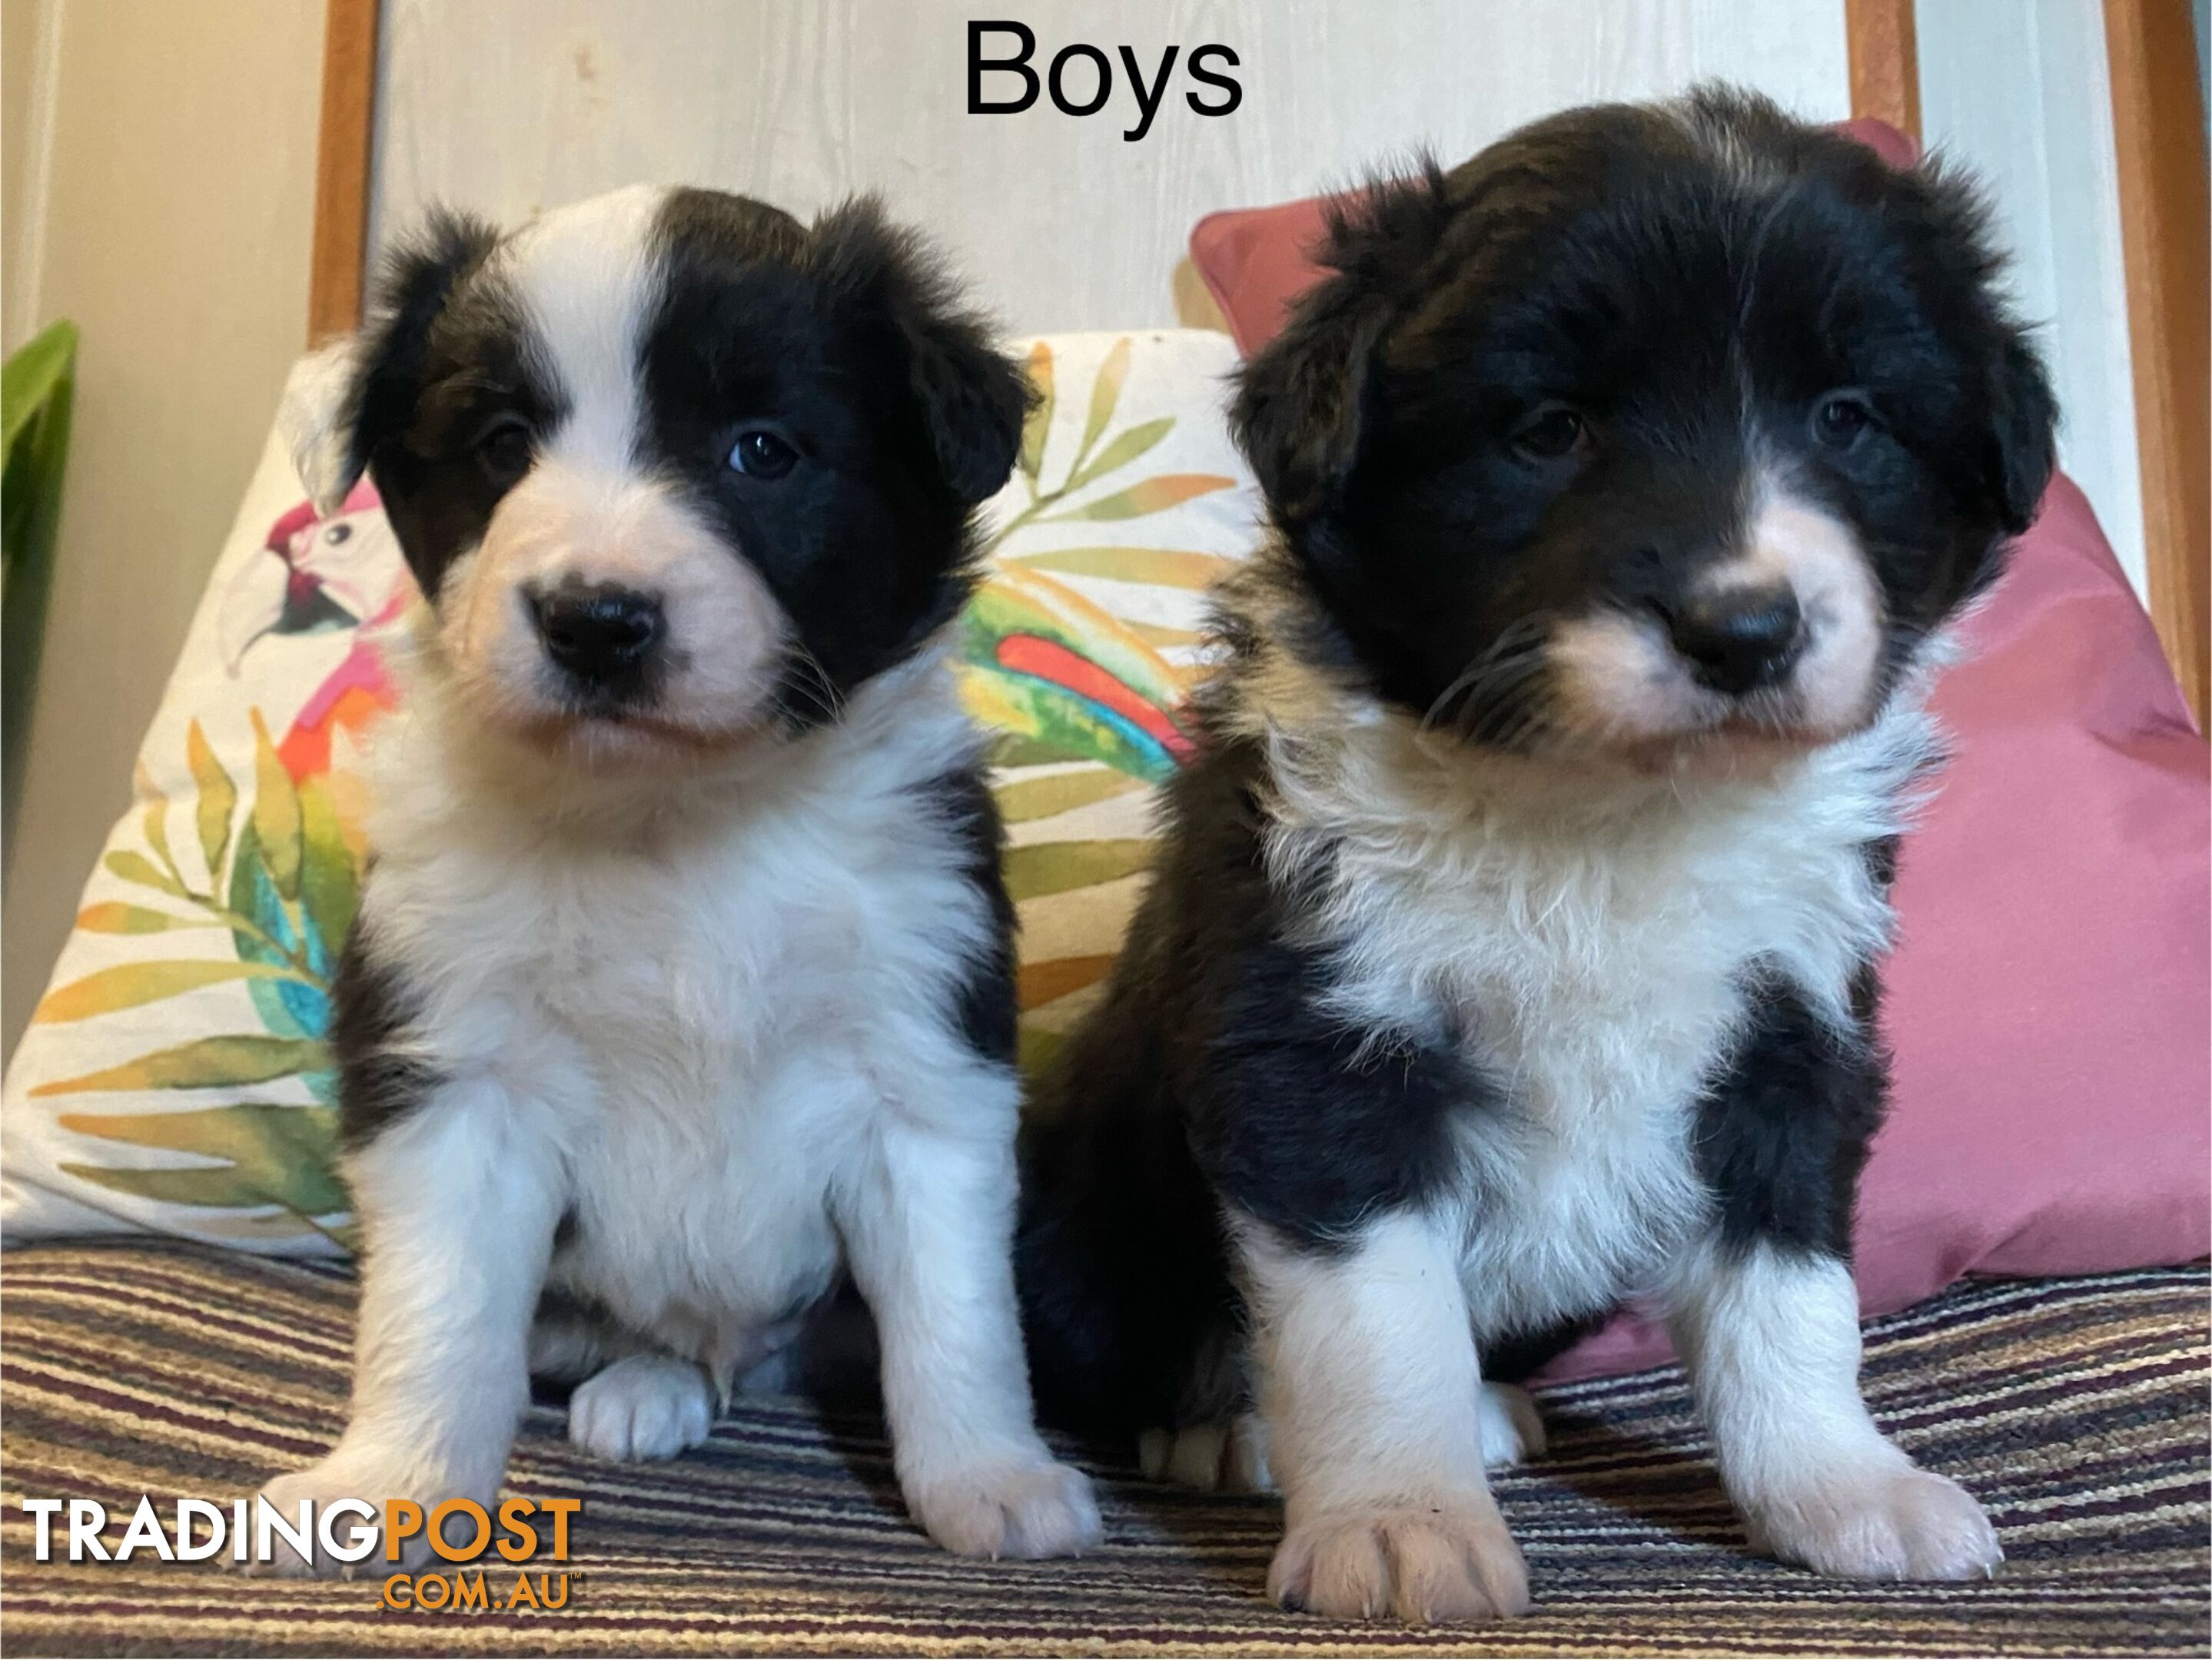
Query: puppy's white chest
{"points": [[704, 1020], [659, 973], [1598, 985], [656, 1011], [1600, 1018]]}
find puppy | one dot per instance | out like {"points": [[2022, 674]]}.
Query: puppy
{"points": [[682, 979], [1512, 949]]}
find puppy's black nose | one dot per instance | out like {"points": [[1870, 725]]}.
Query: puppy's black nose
{"points": [[598, 634], [1740, 640]]}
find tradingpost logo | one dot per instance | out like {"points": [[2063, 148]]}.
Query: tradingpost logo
{"points": [[474, 1548]]}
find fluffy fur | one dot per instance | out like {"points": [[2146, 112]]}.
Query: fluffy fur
{"points": [[1511, 950], [682, 982]]}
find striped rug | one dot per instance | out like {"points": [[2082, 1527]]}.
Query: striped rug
{"points": [[2075, 1409]]}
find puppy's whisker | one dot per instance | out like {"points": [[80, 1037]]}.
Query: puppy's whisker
{"points": [[1516, 641], [814, 683], [1493, 707], [1494, 704]]}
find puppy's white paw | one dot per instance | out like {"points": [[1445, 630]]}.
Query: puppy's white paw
{"points": [[1231, 1457], [1423, 1564], [339, 1477], [1020, 1508], [1512, 1431], [1889, 1522], [644, 1406]]}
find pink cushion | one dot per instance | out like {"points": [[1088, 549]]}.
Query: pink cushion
{"points": [[2048, 998], [1252, 262]]}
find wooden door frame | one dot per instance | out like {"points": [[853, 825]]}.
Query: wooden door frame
{"points": [[344, 159], [1884, 62], [2158, 131]]}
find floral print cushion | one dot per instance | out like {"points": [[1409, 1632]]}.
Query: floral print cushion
{"points": [[175, 1077]]}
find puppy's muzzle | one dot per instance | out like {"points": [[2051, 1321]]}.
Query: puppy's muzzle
{"points": [[602, 638], [1738, 641]]}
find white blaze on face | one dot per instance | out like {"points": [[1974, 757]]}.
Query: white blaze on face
{"points": [[591, 513], [1617, 679], [585, 279], [1818, 555], [566, 523]]}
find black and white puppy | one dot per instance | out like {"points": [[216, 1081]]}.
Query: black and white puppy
{"points": [[683, 974], [1512, 948]]}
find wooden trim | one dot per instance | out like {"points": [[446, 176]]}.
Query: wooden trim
{"points": [[1884, 55], [342, 163], [2158, 131]]}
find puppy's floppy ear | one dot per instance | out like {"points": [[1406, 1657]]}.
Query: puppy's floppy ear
{"points": [[1299, 407], [2023, 420], [344, 400], [314, 417], [2014, 453], [971, 396], [1298, 412]]}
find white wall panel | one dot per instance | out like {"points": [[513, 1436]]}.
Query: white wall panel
{"points": [[507, 105], [2020, 90]]}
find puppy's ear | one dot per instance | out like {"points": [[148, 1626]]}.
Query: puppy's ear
{"points": [[346, 399], [314, 417], [2012, 453], [971, 397], [2023, 421], [1299, 410]]}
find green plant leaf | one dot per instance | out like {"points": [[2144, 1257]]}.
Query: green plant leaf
{"points": [[1037, 425], [1105, 394], [269, 1154], [1166, 567], [114, 917], [1127, 447], [329, 885], [224, 1063], [218, 800], [1023, 798], [277, 935], [37, 395], [1045, 867], [1013, 747], [31, 376], [1049, 981], [155, 825], [1036, 1049], [1160, 635], [137, 867], [276, 814], [1154, 494], [129, 985]]}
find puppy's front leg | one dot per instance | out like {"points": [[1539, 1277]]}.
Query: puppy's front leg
{"points": [[928, 1231], [1370, 1390], [458, 1206], [1771, 1336]]}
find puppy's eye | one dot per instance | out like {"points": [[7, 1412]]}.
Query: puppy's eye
{"points": [[503, 448], [1839, 418], [760, 453], [1551, 431]]}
